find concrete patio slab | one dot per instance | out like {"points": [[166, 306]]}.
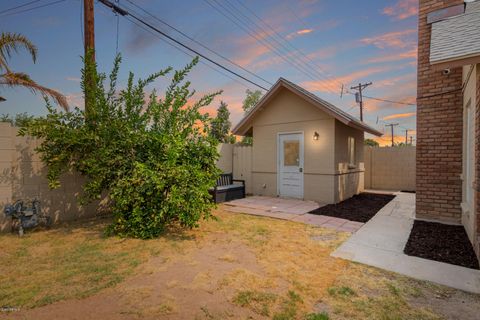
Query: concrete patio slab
{"points": [[263, 213], [290, 209], [380, 243]]}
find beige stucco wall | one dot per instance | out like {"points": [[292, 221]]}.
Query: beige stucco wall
{"points": [[287, 112], [469, 96], [23, 176], [350, 179]]}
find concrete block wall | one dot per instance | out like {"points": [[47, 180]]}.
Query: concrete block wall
{"points": [[242, 166], [225, 162], [23, 176], [385, 169], [390, 168], [439, 129]]}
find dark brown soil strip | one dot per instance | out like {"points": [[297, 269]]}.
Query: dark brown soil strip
{"points": [[441, 242], [360, 208]]}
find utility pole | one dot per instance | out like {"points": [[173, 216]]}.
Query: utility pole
{"points": [[89, 34], [411, 140], [406, 136], [359, 97], [89, 27], [391, 125]]}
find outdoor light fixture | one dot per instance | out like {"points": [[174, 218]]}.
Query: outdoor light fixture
{"points": [[316, 135], [2, 99]]}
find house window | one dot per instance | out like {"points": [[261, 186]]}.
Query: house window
{"points": [[291, 153], [351, 151]]}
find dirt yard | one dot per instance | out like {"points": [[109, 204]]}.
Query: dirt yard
{"points": [[237, 267]]}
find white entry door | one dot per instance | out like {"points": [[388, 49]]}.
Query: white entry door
{"points": [[469, 155], [290, 165]]}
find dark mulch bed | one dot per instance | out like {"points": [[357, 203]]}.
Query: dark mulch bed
{"points": [[360, 208], [441, 242]]}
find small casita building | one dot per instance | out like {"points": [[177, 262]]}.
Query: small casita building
{"points": [[304, 147]]}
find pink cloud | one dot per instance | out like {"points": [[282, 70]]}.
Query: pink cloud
{"points": [[75, 100], [252, 48], [410, 54], [403, 9], [409, 77], [325, 85], [304, 31], [400, 115], [396, 39]]}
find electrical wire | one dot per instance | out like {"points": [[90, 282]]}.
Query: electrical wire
{"points": [[310, 63], [118, 24], [238, 22], [20, 6], [391, 101], [33, 8], [203, 56], [183, 51], [124, 12], [199, 43]]}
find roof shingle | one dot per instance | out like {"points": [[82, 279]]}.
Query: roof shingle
{"points": [[456, 37]]}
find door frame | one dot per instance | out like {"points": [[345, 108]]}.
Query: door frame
{"points": [[302, 158], [469, 159]]}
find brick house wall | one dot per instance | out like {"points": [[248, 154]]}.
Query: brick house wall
{"points": [[439, 129]]}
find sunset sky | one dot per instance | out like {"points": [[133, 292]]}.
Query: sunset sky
{"points": [[318, 44]]}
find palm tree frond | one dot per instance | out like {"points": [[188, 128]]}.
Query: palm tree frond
{"points": [[12, 42], [14, 79]]}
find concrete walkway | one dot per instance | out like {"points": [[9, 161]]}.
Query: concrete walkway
{"points": [[290, 209], [380, 243]]}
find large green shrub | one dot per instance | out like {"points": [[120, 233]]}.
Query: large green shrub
{"points": [[153, 156]]}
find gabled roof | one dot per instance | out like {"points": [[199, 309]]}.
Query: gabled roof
{"points": [[457, 37], [244, 125]]}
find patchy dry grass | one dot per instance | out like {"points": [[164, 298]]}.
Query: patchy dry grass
{"points": [[238, 266], [72, 261]]}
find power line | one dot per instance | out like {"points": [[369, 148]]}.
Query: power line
{"points": [[20, 6], [199, 43], [391, 125], [124, 12], [245, 26], [391, 101], [183, 51], [358, 96], [269, 44], [400, 126], [290, 44], [203, 46], [118, 27], [298, 58], [33, 8]]}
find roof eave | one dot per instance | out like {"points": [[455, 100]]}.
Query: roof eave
{"points": [[455, 61], [237, 130], [242, 127]]}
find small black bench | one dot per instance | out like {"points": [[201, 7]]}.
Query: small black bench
{"points": [[226, 189]]}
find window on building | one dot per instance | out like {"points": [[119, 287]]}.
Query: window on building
{"points": [[351, 151]]}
